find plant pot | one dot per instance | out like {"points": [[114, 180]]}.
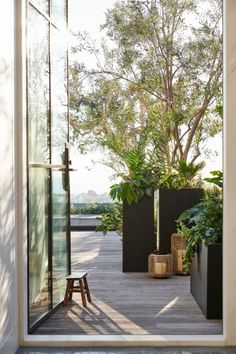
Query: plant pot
{"points": [[171, 203], [206, 280], [138, 234]]}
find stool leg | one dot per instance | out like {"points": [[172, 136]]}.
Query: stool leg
{"points": [[66, 293], [87, 289], [82, 292], [71, 288]]}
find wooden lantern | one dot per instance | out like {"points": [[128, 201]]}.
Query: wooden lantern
{"points": [[178, 250], [160, 265]]}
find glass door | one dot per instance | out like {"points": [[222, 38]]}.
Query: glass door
{"points": [[59, 154], [60, 230], [48, 157]]}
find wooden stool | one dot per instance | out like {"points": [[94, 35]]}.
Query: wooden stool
{"points": [[81, 288]]}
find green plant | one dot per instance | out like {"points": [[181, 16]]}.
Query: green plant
{"points": [[184, 175], [133, 190], [203, 222], [112, 219], [91, 208], [74, 210], [217, 178], [188, 173], [162, 72], [139, 177]]}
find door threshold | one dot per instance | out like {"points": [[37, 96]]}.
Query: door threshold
{"points": [[124, 340]]}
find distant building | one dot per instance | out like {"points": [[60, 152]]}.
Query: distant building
{"points": [[91, 197]]}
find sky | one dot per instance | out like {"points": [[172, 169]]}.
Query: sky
{"points": [[88, 15]]}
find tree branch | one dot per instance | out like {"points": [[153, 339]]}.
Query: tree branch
{"points": [[122, 77]]}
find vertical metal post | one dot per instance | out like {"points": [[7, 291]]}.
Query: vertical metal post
{"points": [[68, 157], [50, 202]]}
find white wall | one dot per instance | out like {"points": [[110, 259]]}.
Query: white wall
{"points": [[8, 261], [229, 285]]}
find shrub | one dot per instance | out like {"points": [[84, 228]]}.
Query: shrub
{"points": [[203, 222]]}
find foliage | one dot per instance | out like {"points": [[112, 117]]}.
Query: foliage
{"points": [[139, 170], [137, 160], [74, 211], [203, 222], [157, 75], [147, 172], [139, 180], [185, 175], [217, 178], [112, 219], [91, 208], [133, 190]]}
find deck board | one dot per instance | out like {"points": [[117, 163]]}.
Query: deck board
{"points": [[125, 303]]}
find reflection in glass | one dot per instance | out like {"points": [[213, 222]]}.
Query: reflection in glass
{"points": [[58, 95], [42, 5], [38, 88], [58, 12], [59, 239], [38, 244], [48, 209]]}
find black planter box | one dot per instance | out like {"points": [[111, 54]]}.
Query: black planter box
{"points": [[172, 203], [138, 234], [206, 280]]}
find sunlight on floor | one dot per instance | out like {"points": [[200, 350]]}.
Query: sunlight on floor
{"points": [[167, 307]]}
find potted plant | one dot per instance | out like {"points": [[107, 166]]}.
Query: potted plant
{"points": [[201, 227], [179, 190], [137, 170], [136, 194]]}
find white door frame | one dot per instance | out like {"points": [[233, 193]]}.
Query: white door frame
{"points": [[229, 245]]}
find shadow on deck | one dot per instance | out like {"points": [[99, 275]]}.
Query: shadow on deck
{"points": [[125, 303]]}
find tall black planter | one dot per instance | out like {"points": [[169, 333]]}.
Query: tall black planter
{"points": [[172, 203], [206, 280], [138, 234]]}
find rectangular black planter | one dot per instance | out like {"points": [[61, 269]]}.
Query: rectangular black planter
{"points": [[172, 203], [206, 280], [138, 234]]}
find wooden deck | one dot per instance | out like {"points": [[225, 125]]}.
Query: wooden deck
{"points": [[125, 303]]}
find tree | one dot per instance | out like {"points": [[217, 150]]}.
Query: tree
{"points": [[159, 82]]}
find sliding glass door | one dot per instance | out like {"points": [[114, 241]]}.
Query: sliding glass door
{"points": [[48, 171]]}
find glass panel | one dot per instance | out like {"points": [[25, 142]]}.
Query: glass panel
{"points": [[39, 299], [58, 12], [42, 5], [38, 88], [59, 238], [58, 95], [46, 125]]}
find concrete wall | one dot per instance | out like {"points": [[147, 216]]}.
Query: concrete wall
{"points": [[8, 241]]}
